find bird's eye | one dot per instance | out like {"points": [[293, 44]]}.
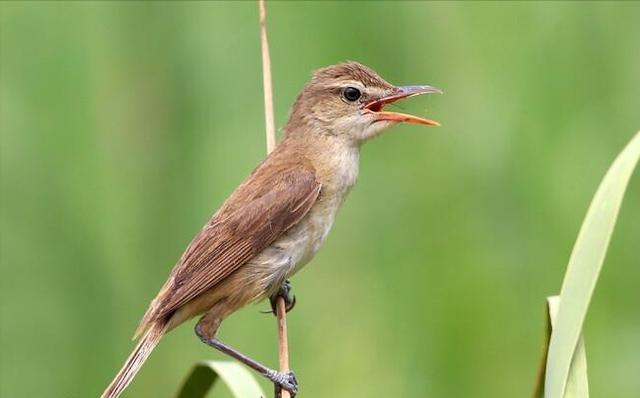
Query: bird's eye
{"points": [[351, 94]]}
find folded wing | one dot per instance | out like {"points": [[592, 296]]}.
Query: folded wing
{"points": [[277, 195]]}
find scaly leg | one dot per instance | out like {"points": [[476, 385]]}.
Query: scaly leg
{"points": [[206, 328], [289, 302]]}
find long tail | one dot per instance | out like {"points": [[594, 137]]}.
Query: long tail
{"points": [[140, 354]]}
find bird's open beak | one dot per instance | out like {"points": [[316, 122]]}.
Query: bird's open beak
{"points": [[403, 92]]}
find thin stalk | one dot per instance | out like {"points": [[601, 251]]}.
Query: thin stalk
{"points": [[266, 80], [281, 312]]}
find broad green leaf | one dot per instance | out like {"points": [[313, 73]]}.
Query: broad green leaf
{"points": [[206, 373], [583, 271], [577, 384]]}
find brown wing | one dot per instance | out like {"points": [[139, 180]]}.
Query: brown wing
{"points": [[276, 196]]}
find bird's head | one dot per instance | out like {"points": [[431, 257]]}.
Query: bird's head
{"points": [[347, 100]]}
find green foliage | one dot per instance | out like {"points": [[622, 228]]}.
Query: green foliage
{"points": [[566, 374], [124, 125], [206, 373], [577, 382]]}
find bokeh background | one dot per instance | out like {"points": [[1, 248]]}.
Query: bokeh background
{"points": [[125, 125]]}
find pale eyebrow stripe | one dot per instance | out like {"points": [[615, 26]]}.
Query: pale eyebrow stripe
{"points": [[346, 83], [377, 91]]}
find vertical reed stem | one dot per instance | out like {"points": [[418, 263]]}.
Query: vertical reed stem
{"points": [[281, 312], [266, 79]]}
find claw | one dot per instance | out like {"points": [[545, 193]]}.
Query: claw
{"points": [[286, 380], [285, 293]]}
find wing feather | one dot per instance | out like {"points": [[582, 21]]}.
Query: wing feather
{"points": [[274, 198]]}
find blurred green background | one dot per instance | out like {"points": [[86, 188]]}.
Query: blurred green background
{"points": [[125, 125]]}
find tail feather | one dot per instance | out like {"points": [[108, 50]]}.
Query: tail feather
{"points": [[135, 361]]}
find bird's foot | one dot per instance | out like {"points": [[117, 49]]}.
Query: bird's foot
{"points": [[285, 293], [282, 380]]}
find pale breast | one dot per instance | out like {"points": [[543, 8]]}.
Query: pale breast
{"points": [[304, 240], [299, 244]]}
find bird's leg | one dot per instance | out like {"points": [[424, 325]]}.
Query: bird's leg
{"points": [[285, 292], [206, 328]]}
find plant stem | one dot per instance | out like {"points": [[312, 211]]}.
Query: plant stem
{"points": [[266, 79], [281, 312]]}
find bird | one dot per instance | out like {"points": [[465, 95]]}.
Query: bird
{"points": [[275, 221]]}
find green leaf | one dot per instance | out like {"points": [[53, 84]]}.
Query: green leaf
{"points": [[583, 271], [577, 383], [206, 373]]}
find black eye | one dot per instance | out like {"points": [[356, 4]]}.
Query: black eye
{"points": [[351, 94]]}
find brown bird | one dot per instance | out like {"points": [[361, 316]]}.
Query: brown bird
{"points": [[276, 220]]}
